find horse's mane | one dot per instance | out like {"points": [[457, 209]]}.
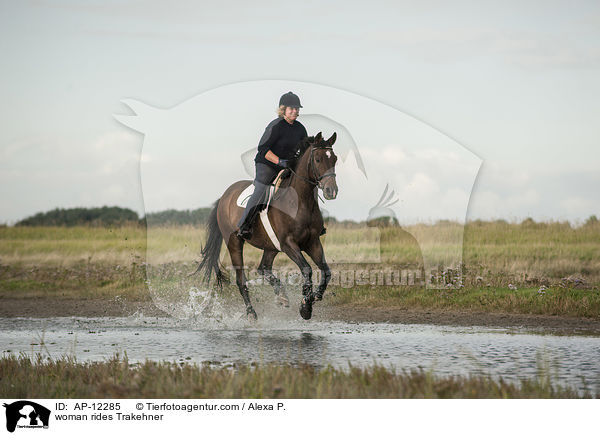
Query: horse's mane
{"points": [[303, 146]]}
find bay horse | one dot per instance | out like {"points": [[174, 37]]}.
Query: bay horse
{"points": [[295, 219]]}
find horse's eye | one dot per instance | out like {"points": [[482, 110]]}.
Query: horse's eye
{"points": [[318, 160]]}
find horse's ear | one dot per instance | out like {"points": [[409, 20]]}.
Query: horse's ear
{"points": [[332, 139], [318, 137]]}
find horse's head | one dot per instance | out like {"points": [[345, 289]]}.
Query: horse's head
{"points": [[322, 162]]}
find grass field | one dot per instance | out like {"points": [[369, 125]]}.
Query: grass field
{"points": [[504, 265], [116, 378], [529, 268]]}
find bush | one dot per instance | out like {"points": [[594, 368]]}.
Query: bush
{"points": [[99, 216]]}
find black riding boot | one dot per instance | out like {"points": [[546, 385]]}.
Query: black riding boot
{"points": [[245, 227], [264, 177], [253, 207]]}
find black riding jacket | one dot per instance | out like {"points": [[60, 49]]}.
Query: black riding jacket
{"points": [[281, 138]]}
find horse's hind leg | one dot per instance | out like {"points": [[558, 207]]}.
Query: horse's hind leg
{"points": [[266, 268], [235, 245]]}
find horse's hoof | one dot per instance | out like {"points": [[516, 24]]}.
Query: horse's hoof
{"points": [[251, 315], [306, 308], [282, 300]]}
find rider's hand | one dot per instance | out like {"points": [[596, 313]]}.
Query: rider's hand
{"points": [[284, 163]]}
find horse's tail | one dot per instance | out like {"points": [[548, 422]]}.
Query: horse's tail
{"points": [[210, 253]]}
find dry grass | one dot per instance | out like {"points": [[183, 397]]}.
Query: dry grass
{"points": [[554, 301], [551, 250], [116, 378], [97, 263]]}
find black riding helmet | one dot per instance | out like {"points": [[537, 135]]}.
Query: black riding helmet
{"points": [[289, 100]]}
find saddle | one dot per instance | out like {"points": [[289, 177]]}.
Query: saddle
{"points": [[242, 199]]}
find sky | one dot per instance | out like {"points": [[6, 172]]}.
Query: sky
{"points": [[513, 84], [188, 155]]}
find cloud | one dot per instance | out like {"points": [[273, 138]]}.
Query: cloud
{"points": [[578, 206], [421, 185], [51, 172], [530, 47], [536, 50], [455, 201], [509, 191], [393, 155]]}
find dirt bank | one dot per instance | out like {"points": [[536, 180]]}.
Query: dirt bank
{"points": [[41, 308], [551, 324], [117, 308]]}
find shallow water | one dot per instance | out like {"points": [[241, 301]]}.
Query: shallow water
{"points": [[512, 354]]}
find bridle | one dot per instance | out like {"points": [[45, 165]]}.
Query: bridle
{"points": [[313, 170]]}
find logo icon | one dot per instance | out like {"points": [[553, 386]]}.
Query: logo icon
{"points": [[26, 414]]}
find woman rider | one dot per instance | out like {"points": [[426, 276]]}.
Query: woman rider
{"points": [[275, 150]]}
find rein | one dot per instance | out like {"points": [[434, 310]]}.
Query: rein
{"points": [[311, 165]]}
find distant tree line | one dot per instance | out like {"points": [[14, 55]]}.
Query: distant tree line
{"points": [[99, 216], [179, 217], [114, 216]]}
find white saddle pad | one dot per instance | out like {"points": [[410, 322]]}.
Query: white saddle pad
{"points": [[242, 200]]}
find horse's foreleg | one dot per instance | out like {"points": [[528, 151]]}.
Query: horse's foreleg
{"points": [[236, 252], [316, 253], [308, 297], [266, 268]]}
